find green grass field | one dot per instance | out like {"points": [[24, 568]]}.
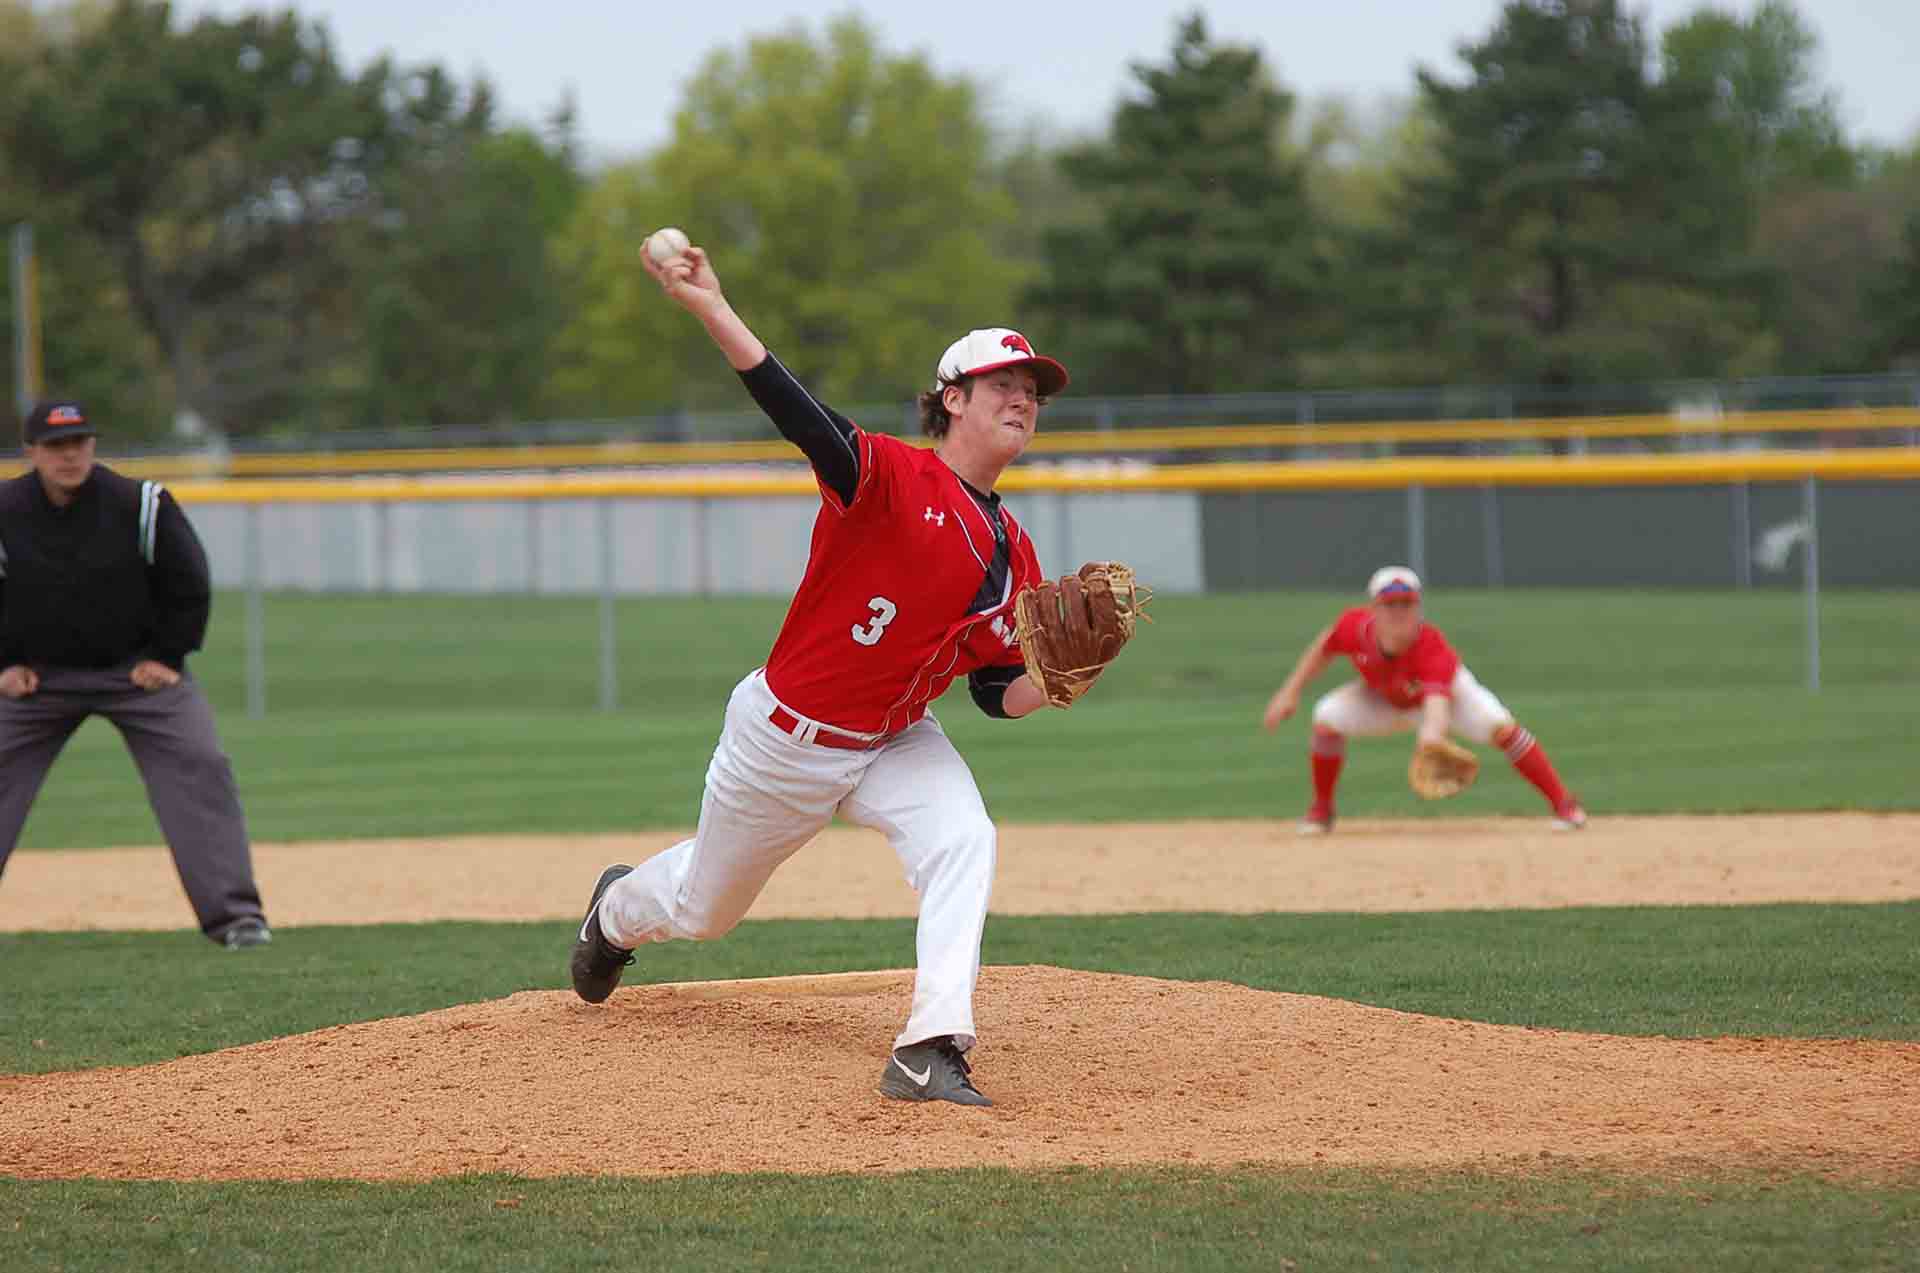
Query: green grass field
{"points": [[434, 716], [85, 1000]]}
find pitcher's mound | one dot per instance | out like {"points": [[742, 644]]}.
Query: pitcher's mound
{"points": [[780, 1075]]}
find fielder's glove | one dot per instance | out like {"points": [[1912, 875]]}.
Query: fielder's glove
{"points": [[1070, 628], [1440, 769]]}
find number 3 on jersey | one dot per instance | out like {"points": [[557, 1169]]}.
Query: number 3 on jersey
{"points": [[869, 633]]}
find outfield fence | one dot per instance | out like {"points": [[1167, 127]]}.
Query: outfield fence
{"points": [[1795, 411], [1853, 426], [1734, 520]]}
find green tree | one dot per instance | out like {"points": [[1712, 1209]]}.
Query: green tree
{"points": [[1357, 162], [1030, 172], [847, 197], [1582, 223], [1759, 73], [218, 167], [620, 350], [459, 302], [1798, 188], [1357, 157], [1894, 302], [92, 348], [1828, 247], [1195, 273]]}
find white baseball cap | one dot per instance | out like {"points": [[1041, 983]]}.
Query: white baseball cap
{"points": [[989, 349], [1391, 580]]}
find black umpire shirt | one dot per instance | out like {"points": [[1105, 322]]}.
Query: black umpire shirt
{"points": [[117, 575]]}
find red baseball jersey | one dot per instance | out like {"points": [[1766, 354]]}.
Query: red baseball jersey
{"points": [[892, 606], [1425, 667]]}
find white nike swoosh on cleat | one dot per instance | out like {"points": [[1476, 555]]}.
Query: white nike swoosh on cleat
{"points": [[922, 1078]]}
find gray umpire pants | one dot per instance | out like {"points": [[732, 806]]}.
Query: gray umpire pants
{"points": [[188, 777]]}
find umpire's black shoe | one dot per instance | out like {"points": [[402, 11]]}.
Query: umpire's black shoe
{"points": [[934, 1070], [596, 961], [245, 934]]}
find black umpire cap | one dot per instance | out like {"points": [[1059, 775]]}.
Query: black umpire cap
{"points": [[59, 418]]}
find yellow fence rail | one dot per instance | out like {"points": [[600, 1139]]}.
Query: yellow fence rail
{"points": [[1197, 438], [1867, 464]]}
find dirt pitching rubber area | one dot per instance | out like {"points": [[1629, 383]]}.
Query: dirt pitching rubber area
{"points": [[780, 1074]]}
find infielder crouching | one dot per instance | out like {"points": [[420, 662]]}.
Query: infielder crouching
{"points": [[1410, 678]]}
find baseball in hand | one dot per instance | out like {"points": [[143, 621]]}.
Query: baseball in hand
{"points": [[664, 245]]}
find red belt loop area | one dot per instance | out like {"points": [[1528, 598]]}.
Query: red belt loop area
{"points": [[786, 722]]}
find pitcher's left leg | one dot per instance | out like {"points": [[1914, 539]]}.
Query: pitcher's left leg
{"points": [[922, 796]]}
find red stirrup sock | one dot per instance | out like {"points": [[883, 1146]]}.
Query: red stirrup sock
{"points": [[1530, 760], [1329, 753]]}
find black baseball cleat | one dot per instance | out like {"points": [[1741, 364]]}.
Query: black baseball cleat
{"points": [[596, 961], [931, 1071], [246, 934]]}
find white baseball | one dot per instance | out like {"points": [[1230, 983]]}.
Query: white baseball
{"points": [[664, 245]]}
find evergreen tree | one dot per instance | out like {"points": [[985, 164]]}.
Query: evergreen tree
{"points": [[1583, 223], [1197, 273]]}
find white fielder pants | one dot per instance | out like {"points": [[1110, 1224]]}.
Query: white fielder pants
{"points": [[768, 793], [1357, 709]]}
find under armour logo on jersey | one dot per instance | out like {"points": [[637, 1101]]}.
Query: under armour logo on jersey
{"points": [[1014, 340], [938, 519], [1004, 630]]}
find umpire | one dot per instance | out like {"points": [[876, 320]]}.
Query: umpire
{"points": [[103, 592]]}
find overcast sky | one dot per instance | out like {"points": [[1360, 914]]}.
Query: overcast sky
{"points": [[1063, 61]]}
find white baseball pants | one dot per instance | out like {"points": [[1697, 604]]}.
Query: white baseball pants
{"points": [[769, 792], [1356, 709]]}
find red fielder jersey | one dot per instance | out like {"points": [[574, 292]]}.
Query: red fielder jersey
{"points": [[1425, 667], [880, 625]]}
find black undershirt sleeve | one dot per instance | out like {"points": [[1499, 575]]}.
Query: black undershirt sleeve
{"points": [[988, 685], [828, 439]]}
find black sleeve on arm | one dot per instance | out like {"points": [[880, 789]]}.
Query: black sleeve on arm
{"points": [[829, 439], [988, 685], [182, 587]]}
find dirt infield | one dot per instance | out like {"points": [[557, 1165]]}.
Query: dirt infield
{"points": [[1066, 869], [778, 1074]]}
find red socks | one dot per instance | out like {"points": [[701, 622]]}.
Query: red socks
{"points": [[1530, 761], [1329, 753]]}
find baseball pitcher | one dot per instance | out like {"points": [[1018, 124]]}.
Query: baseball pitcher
{"points": [[1410, 678], [912, 581]]}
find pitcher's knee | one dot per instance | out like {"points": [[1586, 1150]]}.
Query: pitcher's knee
{"points": [[704, 922], [967, 842], [699, 927]]}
